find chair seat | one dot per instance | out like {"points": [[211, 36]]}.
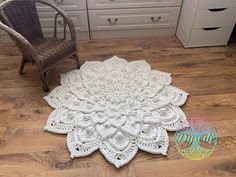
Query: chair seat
{"points": [[52, 50]]}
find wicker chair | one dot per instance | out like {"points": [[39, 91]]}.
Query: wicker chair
{"points": [[19, 18]]}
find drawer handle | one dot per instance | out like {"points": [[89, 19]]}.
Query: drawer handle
{"points": [[155, 20], [211, 29], [217, 10], [59, 1], [112, 22]]}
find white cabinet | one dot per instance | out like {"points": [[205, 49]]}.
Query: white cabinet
{"points": [[206, 22], [99, 19], [132, 18]]}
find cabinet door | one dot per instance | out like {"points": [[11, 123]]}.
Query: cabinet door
{"points": [[68, 5], [103, 4]]}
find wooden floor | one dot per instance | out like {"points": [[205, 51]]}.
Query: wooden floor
{"points": [[208, 74]]}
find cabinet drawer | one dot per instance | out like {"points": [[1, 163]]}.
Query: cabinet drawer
{"points": [[133, 18], [67, 5], [215, 18], [207, 4], [207, 37], [102, 4], [79, 19]]}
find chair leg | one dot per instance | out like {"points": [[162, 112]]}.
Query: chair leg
{"points": [[43, 76], [22, 66], [76, 58]]}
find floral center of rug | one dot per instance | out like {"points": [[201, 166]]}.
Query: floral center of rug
{"points": [[117, 107]]}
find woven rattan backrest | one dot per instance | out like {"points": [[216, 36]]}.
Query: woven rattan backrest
{"points": [[22, 16]]}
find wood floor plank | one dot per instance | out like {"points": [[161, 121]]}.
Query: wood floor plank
{"points": [[218, 166], [59, 159], [59, 163], [17, 122]]}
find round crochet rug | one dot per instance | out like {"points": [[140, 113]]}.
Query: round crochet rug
{"points": [[117, 107]]}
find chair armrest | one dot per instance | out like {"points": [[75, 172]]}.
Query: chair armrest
{"points": [[23, 44], [55, 25], [64, 15]]}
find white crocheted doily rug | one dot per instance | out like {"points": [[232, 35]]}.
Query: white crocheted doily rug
{"points": [[117, 107]]}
